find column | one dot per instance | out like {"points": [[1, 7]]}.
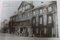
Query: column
{"points": [[30, 33], [37, 14]]}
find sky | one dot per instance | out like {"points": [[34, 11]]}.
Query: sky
{"points": [[8, 9]]}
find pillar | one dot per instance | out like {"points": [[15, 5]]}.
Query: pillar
{"points": [[30, 32], [55, 21]]}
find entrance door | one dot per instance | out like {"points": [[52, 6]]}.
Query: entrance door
{"points": [[49, 25]]}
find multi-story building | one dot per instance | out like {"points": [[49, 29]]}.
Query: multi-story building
{"points": [[38, 22], [18, 19]]}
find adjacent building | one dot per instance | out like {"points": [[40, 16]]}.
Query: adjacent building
{"points": [[5, 26]]}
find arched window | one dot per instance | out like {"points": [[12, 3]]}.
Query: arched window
{"points": [[44, 10], [45, 19], [49, 9], [49, 19], [41, 11]]}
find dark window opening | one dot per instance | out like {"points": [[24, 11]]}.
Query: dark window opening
{"points": [[21, 29]]}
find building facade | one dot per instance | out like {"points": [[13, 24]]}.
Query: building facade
{"points": [[5, 26], [35, 22]]}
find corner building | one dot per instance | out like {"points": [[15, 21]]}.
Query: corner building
{"points": [[37, 22]]}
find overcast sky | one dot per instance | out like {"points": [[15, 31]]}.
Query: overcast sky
{"points": [[9, 7]]}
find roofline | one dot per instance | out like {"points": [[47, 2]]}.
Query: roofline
{"points": [[14, 15], [20, 5], [40, 7], [24, 1]]}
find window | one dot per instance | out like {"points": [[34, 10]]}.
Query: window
{"points": [[27, 7], [41, 11], [20, 9], [45, 19], [44, 10], [34, 20], [34, 13], [49, 19], [23, 9], [17, 18], [49, 9], [23, 15], [40, 20]]}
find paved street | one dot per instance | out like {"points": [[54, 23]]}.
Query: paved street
{"points": [[7, 36]]}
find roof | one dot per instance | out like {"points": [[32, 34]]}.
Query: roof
{"points": [[40, 7], [14, 15], [24, 3]]}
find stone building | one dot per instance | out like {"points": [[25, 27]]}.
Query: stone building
{"points": [[36, 22]]}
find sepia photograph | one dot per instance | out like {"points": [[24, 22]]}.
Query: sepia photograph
{"points": [[29, 19]]}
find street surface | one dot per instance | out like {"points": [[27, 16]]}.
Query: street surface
{"points": [[6, 36]]}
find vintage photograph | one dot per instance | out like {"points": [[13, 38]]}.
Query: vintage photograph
{"points": [[30, 19]]}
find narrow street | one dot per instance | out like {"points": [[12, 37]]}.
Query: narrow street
{"points": [[6, 36]]}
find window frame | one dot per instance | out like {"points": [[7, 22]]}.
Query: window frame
{"points": [[39, 20], [41, 11], [51, 24], [44, 20], [35, 21], [50, 7]]}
